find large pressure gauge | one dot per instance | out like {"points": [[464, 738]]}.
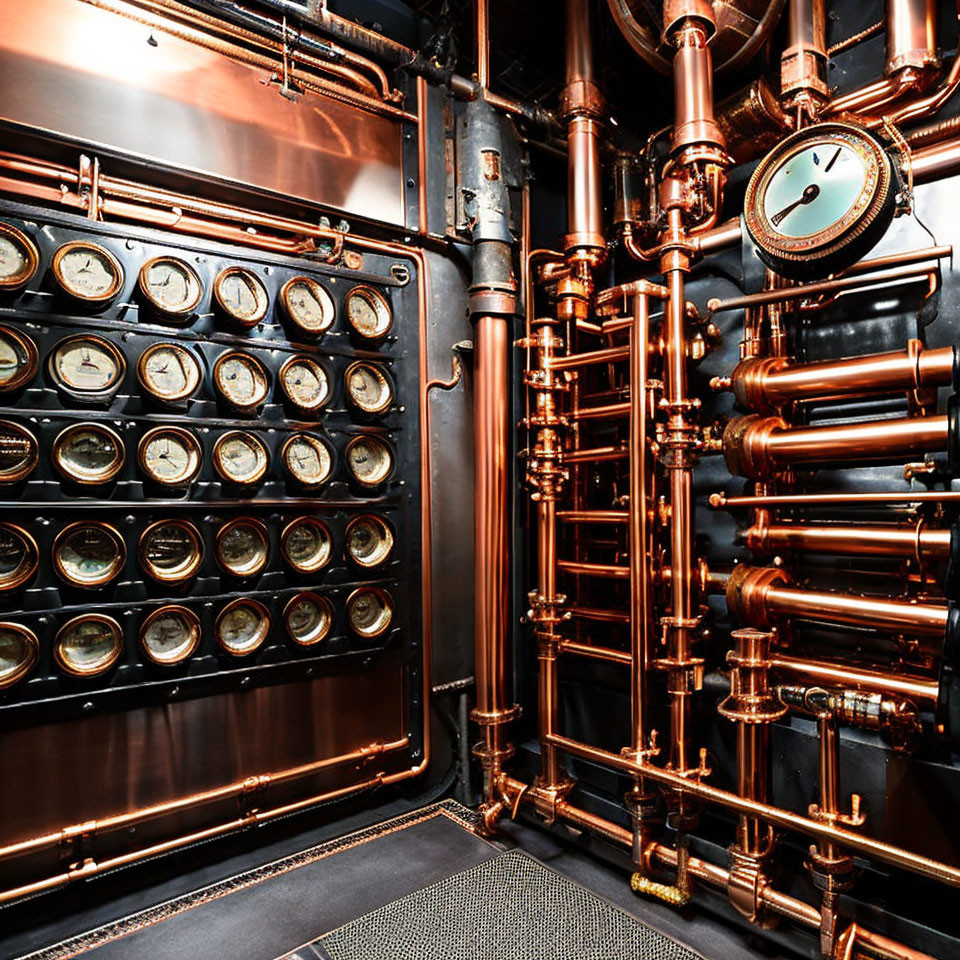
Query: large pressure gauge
{"points": [[241, 296], [19, 648], [170, 551], [242, 547], [242, 626], [19, 557], [241, 379], [19, 359], [87, 273], [307, 459], [170, 635], [240, 458], [88, 554], [19, 258], [19, 452], [169, 372], [88, 645], [307, 619], [88, 453], [308, 305], [170, 287], [170, 456], [820, 200], [87, 368]]}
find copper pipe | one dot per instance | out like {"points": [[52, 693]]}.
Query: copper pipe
{"points": [[719, 500], [803, 64], [592, 516], [855, 943], [855, 39], [596, 454], [594, 652], [608, 411], [482, 35], [572, 361], [422, 218], [584, 569], [911, 35], [596, 613], [776, 816], [936, 161]]}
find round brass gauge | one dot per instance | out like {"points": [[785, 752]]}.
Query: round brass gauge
{"points": [[369, 459], [169, 372], [242, 547], [305, 383], [242, 626], [88, 453], [308, 459], [369, 540], [87, 272], [308, 305], [368, 312], [170, 635], [170, 456], [19, 359], [239, 293], [87, 368], [19, 557], [241, 379], [19, 648], [369, 611], [240, 458], [19, 452], [88, 553], [170, 287], [306, 544], [170, 551], [88, 645], [308, 618], [820, 200], [19, 258], [368, 387]]}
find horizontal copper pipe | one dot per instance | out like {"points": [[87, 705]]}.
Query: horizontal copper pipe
{"points": [[592, 516], [721, 501], [593, 652], [597, 454], [581, 568], [574, 360], [596, 613], [848, 539], [778, 817], [607, 411]]}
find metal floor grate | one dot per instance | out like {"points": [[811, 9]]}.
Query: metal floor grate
{"points": [[508, 907]]}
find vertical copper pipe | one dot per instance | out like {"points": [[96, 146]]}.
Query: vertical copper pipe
{"points": [[482, 37], [422, 219]]}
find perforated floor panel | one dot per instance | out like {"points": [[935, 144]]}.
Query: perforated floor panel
{"points": [[509, 906]]}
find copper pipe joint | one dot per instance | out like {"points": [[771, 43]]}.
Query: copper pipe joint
{"points": [[751, 700]]}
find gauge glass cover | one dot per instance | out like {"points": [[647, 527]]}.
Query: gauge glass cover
{"points": [[242, 626], [242, 547], [87, 366], [171, 286], [18, 556], [18, 358], [306, 544], [241, 379], [308, 459], [169, 372], [170, 456], [369, 541], [170, 635], [87, 271], [19, 452], [88, 644], [369, 611], [368, 312], [368, 388], [240, 458], [305, 383], [308, 618], [241, 296], [18, 652], [308, 304], [88, 554], [88, 453], [19, 258], [171, 550], [369, 459]]}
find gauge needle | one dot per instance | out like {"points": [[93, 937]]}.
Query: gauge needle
{"points": [[833, 160], [809, 194]]}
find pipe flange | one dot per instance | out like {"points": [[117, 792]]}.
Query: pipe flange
{"points": [[495, 718]]}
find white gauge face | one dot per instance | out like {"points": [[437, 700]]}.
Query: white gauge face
{"points": [[170, 635], [170, 285], [369, 611], [305, 383], [169, 456], [242, 547], [19, 452], [87, 272], [308, 618], [88, 554], [369, 541], [169, 372], [14, 261], [308, 305], [86, 365], [89, 645], [240, 458], [368, 387], [241, 379], [368, 312], [18, 358], [88, 453], [307, 459], [814, 189], [18, 652], [171, 551], [370, 460], [18, 556], [242, 296], [306, 545], [242, 627]]}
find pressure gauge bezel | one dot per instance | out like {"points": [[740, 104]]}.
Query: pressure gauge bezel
{"points": [[28, 565], [318, 369], [378, 303], [323, 297], [384, 475], [100, 666], [382, 624], [181, 573], [323, 555], [263, 631], [107, 473], [32, 648], [183, 653], [78, 394], [317, 443], [385, 541], [322, 631], [846, 239], [253, 441], [187, 440], [33, 457], [382, 378], [90, 299], [27, 355], [156, 392], [254, 567], [261, 295], [158, 307], [119, 554], [31, 255], [261, 376]]}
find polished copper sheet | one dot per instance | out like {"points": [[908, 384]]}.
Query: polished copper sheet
{"points": [[70, 68]]}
